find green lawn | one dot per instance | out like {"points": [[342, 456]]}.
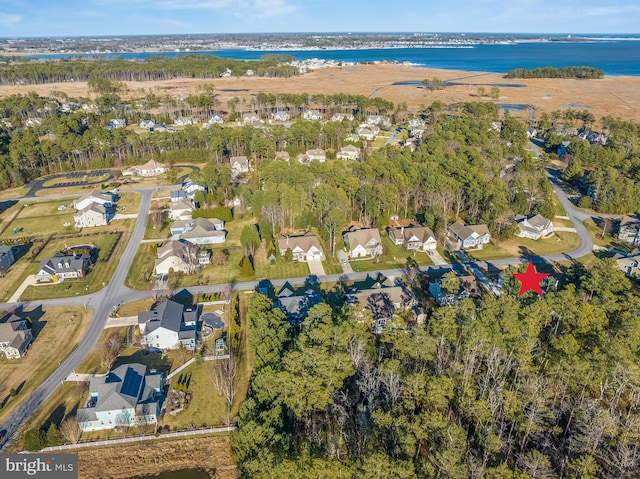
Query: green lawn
{"points": [[41, 218], [162, 232], [560, 242], [140, 275], [128, 203], [99, 275], [596, 230], [394, 256]]}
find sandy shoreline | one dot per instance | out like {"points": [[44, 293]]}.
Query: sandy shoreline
{"points": [[618, 96]]}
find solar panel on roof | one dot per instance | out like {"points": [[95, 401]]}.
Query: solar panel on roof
{"points": [[131, 383]]}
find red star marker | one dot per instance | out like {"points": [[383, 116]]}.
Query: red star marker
{"points": [[530, 280]]}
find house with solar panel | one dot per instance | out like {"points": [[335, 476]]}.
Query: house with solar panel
{"points": [[168, 326], [126, 396]]}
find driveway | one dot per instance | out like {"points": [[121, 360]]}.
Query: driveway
{"points": [[315, 267], [344, 261], [28, 281], [437, 258]]}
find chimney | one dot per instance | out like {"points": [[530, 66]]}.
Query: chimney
{"points": [[287, 240], [402, 230]]}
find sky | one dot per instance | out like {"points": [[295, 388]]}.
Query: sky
{"points": [[39, 18]]}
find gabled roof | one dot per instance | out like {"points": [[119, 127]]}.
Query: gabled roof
{"points": [[167, 315], [203, 227], [241, 160], [177, 248], [59, 261], [150, 165], [13, 331], [362, 237], [416, 233], [94, 207], [466, 231], [303, 242], [120, 388], [181, 204]]}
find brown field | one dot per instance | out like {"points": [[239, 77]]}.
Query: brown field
{"points": [[212, 453], [617, 96]]}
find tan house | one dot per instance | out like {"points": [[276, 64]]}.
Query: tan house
{"points": [[348, 152], [303, 248], [363, 243], [239, 165], [468, 236], [414, 238], [179, 257], [180, 210], [150, 168], [15, 337], [535, 227], [94, 214]]}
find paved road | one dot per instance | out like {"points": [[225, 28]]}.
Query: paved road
{"points": [[115, 293]]}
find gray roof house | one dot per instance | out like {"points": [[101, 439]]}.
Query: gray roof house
{"points": [[168, 325], [630, 265], [15, 337], [414, 238], [180, 209], [62, 266], [629, 230], [205, 231], [296, 306], [179, 257], [6, 257], [363, 243], [468, 236], [94, 214], [303, 247], [535, 227], [128, 395]]}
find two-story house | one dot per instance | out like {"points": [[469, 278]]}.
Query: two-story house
{"points": [[168, 326], [61, 266], [468, 236], [303, 248], [535, 227], [6, 257], [126, 396], [15, 337], [362, 243], [414, 238], [629, 230]]}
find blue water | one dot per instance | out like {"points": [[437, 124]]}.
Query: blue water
{"points": [[616, 57]]}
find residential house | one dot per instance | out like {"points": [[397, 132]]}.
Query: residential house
{"points": [[91, 215], [532, 132], [496, 126], [378, 120], [61, 266], [95, 197], [535, 227], [367, 132], [629, 230], [180, 226], [33, 122], [15, 337], [176, 195], [181, 209], [630, 265], [563, 148], [126, 396], [303, 248], [414, 238], [312, 115], [252, 119], [117, 123], [468, 289], [150, 168], [168, 325], [342, 116], [382, 297], [216, 120], [281, 116], [348, 152], [468, 236], [236, 202], [363, 243], [316, 154], [296, 306], [283, 155], [205, 231], [147, 124], [190, 188], [239, 165], [178, 256], [353, 138], [6, 257], [185, 120]]}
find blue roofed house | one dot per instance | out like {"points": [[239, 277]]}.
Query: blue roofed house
{"points": [[6, 257], [296, 306], [168, 326], [128, 395]]}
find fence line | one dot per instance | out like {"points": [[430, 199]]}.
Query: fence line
{"points": [[110, 442], [192, 360]]}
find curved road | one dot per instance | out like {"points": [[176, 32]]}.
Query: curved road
{"points": [[103, 301]]}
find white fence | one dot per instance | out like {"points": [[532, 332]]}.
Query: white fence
{"points": [[111, 442]]}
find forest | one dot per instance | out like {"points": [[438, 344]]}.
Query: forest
{"points": [[581, 72], [504, 387], [151, 68]]}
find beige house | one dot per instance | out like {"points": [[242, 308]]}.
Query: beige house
{"points": [[348, 152], [150, 168], [180, 210], [415, 238], [239, 165], [468, 236], [15, 337], [303, 247], [94, 214], [535, 227], [179, 257], [363, 243]]}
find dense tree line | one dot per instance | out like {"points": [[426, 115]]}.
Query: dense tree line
{"points": [[151, 68], [506, 387], [582, 72]]}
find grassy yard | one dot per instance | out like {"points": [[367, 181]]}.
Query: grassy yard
{"points": [[128, 203], [158, 233], [140, 275], [13, 193], [57, 331], [560, 242], [100, 274], [41, 218], [394, 256]]}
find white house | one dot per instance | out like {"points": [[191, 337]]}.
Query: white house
{"points": [[94, 198], [179, 257], [312, 115], [239, 165], [91, 215], [61, 266], [535, 227], [348, 152], [251, 118], [15, 337], [363, 243], [181, 209], [415, 238], [342, 116], [147, 124], [281, 116], [216, 120], [185, 120], [469, 236], [316, 154], [168, 326], [205, 231], [303, 248], [126, 396], [190, 188]]}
